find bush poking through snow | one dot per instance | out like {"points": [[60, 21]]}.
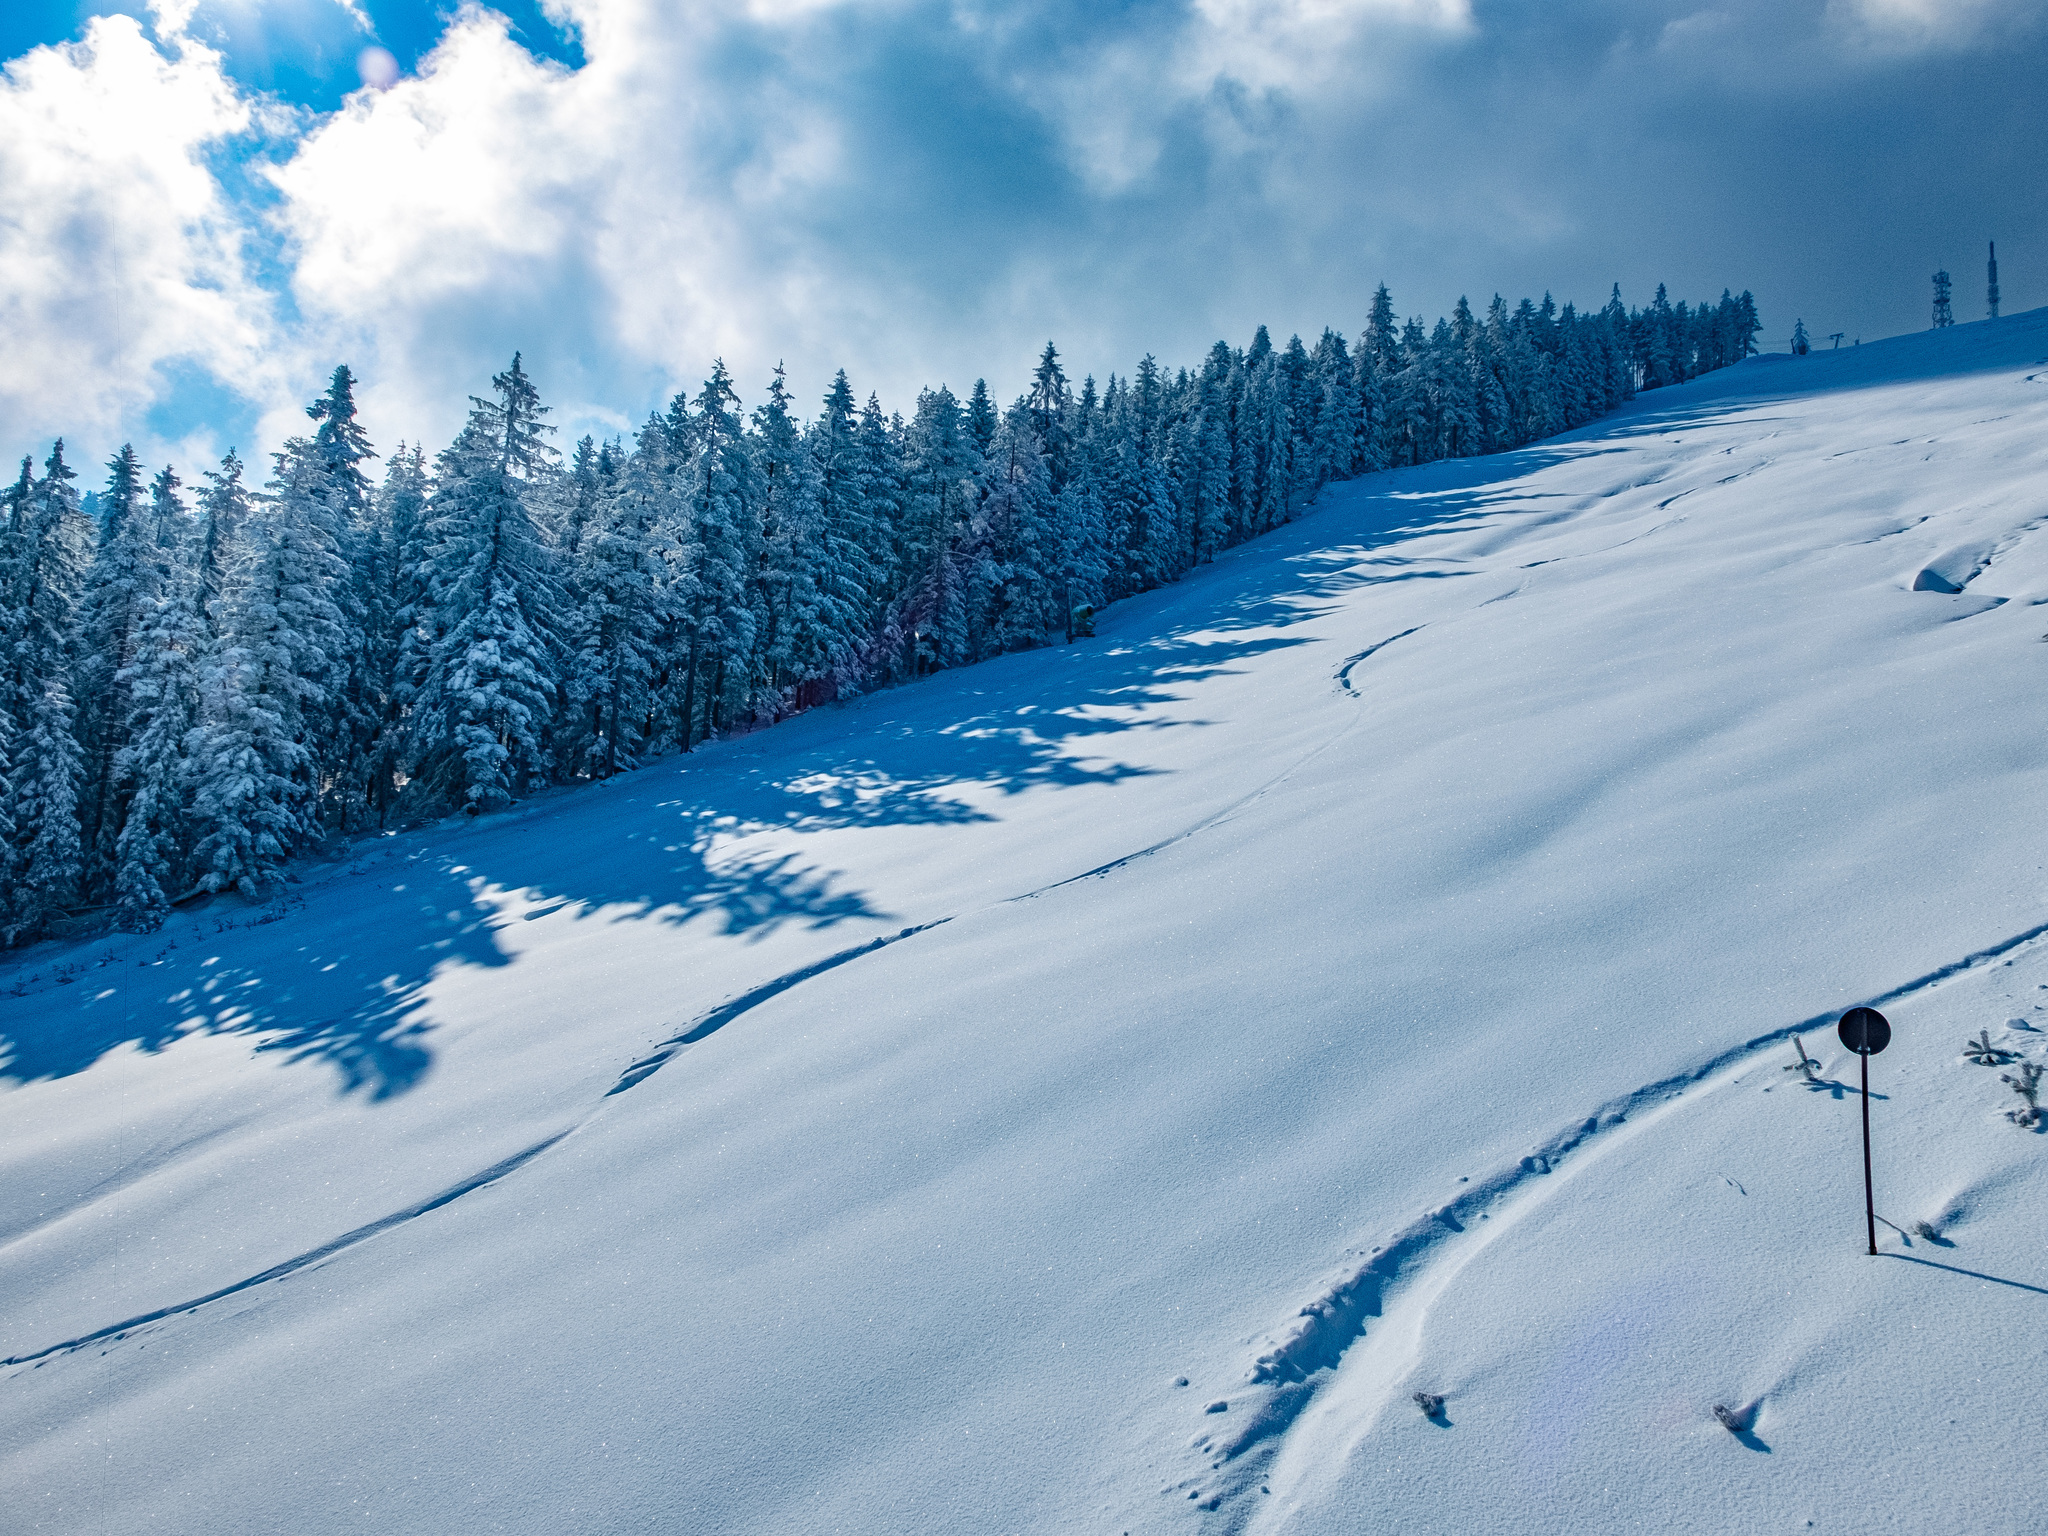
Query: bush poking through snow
{"points": [[1732, 1419], [2028, 1086], [1805, 1065], [1927, 1230], [1431, 1404], [1984, 1053]]}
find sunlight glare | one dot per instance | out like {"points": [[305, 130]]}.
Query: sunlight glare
{"points": [[377, 67]]}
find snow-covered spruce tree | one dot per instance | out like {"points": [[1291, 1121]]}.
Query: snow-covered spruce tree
{"points": [[478, 722], [1521, 360], [1201, 450], [882, 491], [14, 520], [842, 540], [264, 686], [1460, 432], [47, 769], [382, 588], [49, 541], [1266, 434], [940, 495], [346, 740], [1333, 429], [1111, 463], [1303, 396], [787, 645], [615, 626], [123, 584], [980, 420], [1151, 519], [223, 509], [406, 631], [1082, 534], [153, 851], [707, 592], [1010, 581], [587, 481], [1050, 404], [1369, 390]]}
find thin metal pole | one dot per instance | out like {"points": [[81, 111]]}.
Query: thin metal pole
{"points": [[1869, 1199]]}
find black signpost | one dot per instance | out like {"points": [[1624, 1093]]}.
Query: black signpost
{"points": [[1866, 1032]]}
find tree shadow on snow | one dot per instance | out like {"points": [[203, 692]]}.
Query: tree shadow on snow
{"points": [[340, 972]]}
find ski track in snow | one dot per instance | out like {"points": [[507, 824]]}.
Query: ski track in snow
{"points": [[710, 1023], [1344, 672], [326, 1250], [1380, 1302]]}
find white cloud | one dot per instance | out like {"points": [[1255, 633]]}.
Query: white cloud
{"points": [[1227, 65], [495, 200], [1926, 26], [119, 255]]}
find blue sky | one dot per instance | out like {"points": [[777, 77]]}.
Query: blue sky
{"points": [[214, 208], [304, 50]]}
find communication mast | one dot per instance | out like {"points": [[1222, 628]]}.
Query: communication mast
{"points": [[1991, 281], [1943, 315]]}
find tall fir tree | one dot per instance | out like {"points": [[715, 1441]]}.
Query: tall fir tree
{"points": [[479, 722], [1011, 581], [264, 688], [358, 695], [155, 842], [45, 574], [124, 582], [615, 628], [940, 496], [223, 509]]}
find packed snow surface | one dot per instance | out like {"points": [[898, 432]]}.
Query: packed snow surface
{"points": [[1094, 1091]]}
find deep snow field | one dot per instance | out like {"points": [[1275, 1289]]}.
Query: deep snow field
{"points": [[1369, 966]]}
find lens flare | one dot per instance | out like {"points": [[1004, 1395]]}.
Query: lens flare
{"points": [[377, 67]]}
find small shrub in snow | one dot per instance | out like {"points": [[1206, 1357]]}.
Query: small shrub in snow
{"points": [[1431, 1404], [1928, 1230], [1732, 1420], [2028, 1086], [1984, 1053]]}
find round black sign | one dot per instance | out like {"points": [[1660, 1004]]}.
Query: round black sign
{"points": [[1865, 1031]]}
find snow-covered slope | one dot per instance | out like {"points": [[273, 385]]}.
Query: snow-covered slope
{"points": [[1366, 968]]}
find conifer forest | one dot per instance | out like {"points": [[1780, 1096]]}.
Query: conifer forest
{"points": [[207, 677]]}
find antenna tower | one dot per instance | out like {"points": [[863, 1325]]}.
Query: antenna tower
{"points": [[1991, 281], [1943, 314]]}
